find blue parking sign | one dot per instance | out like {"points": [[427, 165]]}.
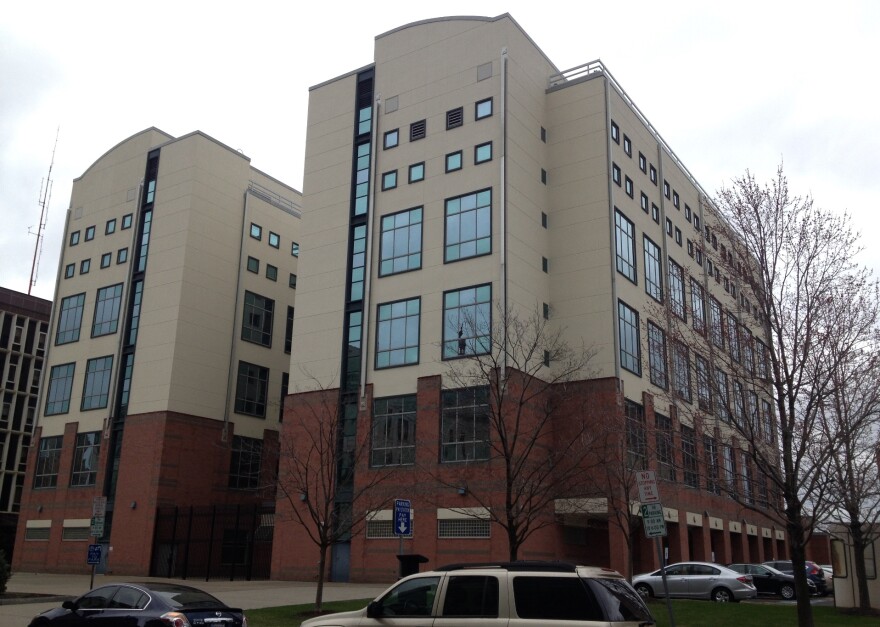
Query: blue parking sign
{"points": [[94, 554], [402, 517]]}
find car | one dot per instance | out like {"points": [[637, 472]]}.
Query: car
{"points": [[143, 605], [768, 580], [503, 593], [814, 573], [697, 580]]}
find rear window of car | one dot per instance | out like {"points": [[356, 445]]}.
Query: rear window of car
{"points": [[183, 598], [621, 601], [555, 598]]}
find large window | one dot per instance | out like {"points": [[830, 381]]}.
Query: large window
{"points": [[710, 452], [465, 425], [657, 356], [46, 473], [256, 323], [394, 431], [244, 467], [85, 459], [653, 270], [689, 457], [397, 333], [716, 326], [625, 238], [628, 330], [636, 436], [722, 400], [96, 387], [70, 319], [729, 469], [252, 388], [665, 456], [468, 226], [698, 307], [60, 386], [733, 336], [681, 374], [401, 245], [676, 289], [467, 321], [107, 310], [704, 384]]}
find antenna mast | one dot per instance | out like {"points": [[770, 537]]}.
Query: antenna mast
{"points": [[43, 200]]}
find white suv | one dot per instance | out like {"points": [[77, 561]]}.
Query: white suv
{"points": [[548, 594]]}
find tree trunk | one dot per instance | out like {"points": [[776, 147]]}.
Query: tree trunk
{"points": [[798, 562], [858, 544], [512, 544], [319, 591]]}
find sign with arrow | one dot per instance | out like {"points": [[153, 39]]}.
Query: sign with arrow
{"points": [[402, 517]]}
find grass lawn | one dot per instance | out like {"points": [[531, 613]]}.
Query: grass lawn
{"points": [[687, 614]]}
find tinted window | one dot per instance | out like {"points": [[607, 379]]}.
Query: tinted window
{"points": [[185, 598], [700, 569], [555, 598], [129, 598], [411, 598], [471, 596], [97, 599]]}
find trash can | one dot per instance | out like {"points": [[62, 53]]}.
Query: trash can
{"points": [[409, 564]]}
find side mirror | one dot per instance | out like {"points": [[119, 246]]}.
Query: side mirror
{"points": [[374, 610], [70, 605]]}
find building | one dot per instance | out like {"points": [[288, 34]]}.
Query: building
{"points": [[460, 174], [24, 323], [167, 362]]}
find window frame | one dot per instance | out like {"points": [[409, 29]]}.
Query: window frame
{"points": [[109, 321], [388, 317], [415, 168], [458, 154], [251, 389], [393, 431], [630, 347], [256, 231], [625, 257], [477, 148], [389, 229], [257, 319], [481, 242], [391, 139], [389, 180], [478, 340], [96, 383], [477, 104], [274, 239], [465, 412]]}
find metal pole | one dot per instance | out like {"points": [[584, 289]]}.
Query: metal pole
{"points": [[665, 584]]}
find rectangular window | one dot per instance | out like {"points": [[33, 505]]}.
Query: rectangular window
{"points": [[468, 226], [748, 352], [401, 244], [467, 321], [704, 384], [722, 400], [543, 220], [615, 132], [271, 272], [739, 408], [110, 227], [628, 186], [733, 336], [96, 388], [465, 424], [85, 459], [90, 233], [107, 310], [676, 290], [625, 238], [636, 436], [453, 161], [69, 270], [245, 462], [483, 153], [294, 249], [391, 139], [292, 281], [274, 240], [657, 356], [643, 163], [417, 172], [70, 319], [729, 469], [288, 330], [698, 307], [710, 453], [251, 390], [653, 270], [669, 227], [483, 109], [454, 118], [362, 178], [628, 330], [546, 311], [666, 189], [417, 130], [665, 456], [256, 231], [675, 200], [716, 327], [84, 266], [615, 174], [397, 333], [627, 146], [655, 213], [689, 457], [681, 371], [394, 431], [126, 221], [256, 321], [253, 265], [643, 200], [543, 176], [122, 255], [389, 180], [687, 212], [678, 236], [653, 175], [48, 457], [106, 260], [465, 528]]}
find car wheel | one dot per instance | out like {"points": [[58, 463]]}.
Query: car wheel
{"points": [[722, 595], [786, 591], [644, 590]]}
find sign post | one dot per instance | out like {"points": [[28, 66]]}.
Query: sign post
{"points": [[654, 524], [99, 510]]}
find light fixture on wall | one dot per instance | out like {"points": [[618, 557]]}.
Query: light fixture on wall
{"points": [[462, 490], [134, 504], [303, 497]]}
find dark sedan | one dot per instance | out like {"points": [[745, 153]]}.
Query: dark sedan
{"points": [[768, 580], [814, 573], [143, 605]]}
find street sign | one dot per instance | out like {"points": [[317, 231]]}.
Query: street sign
{"points": [[94, 554], [648, 491], [97, 526], [652, 519], [99, 506], [402, 517]]}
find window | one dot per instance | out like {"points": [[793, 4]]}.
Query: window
{"points": [[397, 333], [253, 265], [417, 130], [678, 236], [655, 213], [669, 227], [543, 134], [733, 336], [558, 601], [628, 329], [704, 384], [729, 469], [625, 238], [545, 310], [453, 161], [274, 240], [653, 175], [697, 222], [454, 118], [84, 266], [365, 119], [292, 281], [627, 146], [722, 401], [483, 153], [256, 323], [676, 289], [628, 186], [245, 462], [636, 436], [657, 356], [689, 457], [739, 408], [467, 321], [710, 452], [110, 227], [294, 249], [90, 233], [653, 270], [643, 163], [464, 424], [468, 226], [46, 473], [362, 178], [70, 319], [251, 390], [126, 221], [675, 200], [417, 172], [666, 189], [716, 328], [543, 176], [681, 371], [543, 220], [615, 132], [256, 231], [472, 596], [69, 270], [389, 180], [401, 243], [288, 330], [394, 431], [74, 238], [122, 255], [545, 264], [410, 598], [271, 272], [615, 174], [107, 310], [665, 456], [106, 260], [643, 200], [391, 139], [483, 109], [687, 212], [96, 388], [698, 307], [85, 459]]}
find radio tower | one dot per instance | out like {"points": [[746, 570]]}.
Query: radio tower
{"points": [[43, 201]]}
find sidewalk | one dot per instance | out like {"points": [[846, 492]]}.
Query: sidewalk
{"points": [[243, 594]]}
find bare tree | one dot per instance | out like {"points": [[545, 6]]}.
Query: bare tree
{"points": [[317, 462], [537, 438]]}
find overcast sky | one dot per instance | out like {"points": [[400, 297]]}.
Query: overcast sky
{"points": [[730, 86]]}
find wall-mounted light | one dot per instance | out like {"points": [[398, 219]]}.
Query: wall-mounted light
{"points": [[462, 490], [39, 508], [134, 504], [303, 497]]}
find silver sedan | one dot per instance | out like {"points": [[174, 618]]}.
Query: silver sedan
{"points": [[697, 580]]}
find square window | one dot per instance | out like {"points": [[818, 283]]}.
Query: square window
{"points": [[391, 139], [110, 227], [74, 238], [401, 242], [271, 272], [453, 161], [274, 240], [468, 226], [653, 175], [397, 333], [627, 146], [615, 132], [253, 265], [90, 233], [483, 109], [84, 266], [643, 163], [294, 249], [256, 231], [292, 281], [417, 172], [483, 153], [629, 187], [106, 259], [389, 180], [417, 130], [69, 270], [126, 221], [615, 173], [122, 255], [454, 118]]}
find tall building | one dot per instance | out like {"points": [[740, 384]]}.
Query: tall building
{"points": [[24, 324], [167, 362], [462, 176]]}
